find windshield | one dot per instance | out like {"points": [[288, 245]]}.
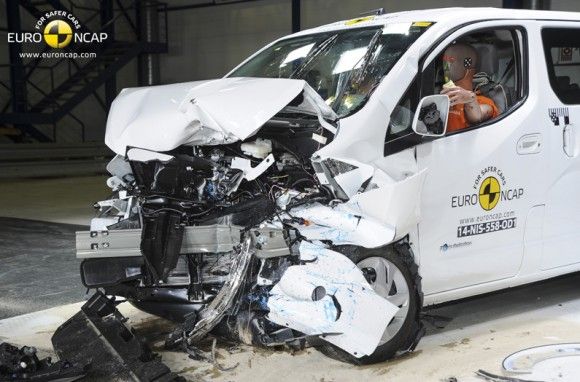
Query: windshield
{"points": [[343, 66]]}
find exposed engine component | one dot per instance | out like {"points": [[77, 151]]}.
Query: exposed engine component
{"points": [[260, 148], [240, 238], [194, 206]]}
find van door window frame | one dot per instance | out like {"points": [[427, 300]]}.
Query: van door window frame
{"points": [[573, 99], [402, 142], [522, 79], [521, 53]]}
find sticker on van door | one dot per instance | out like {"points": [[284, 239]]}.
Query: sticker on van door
{"points": [[556, 113], [490, 192]]}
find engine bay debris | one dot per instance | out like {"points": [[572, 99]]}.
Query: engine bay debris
{"points": [[232, 221]]}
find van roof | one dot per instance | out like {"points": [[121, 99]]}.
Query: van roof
{"points": [[445, 15]]}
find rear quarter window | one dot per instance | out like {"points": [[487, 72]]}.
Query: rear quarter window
{"points": [[562, 52]]}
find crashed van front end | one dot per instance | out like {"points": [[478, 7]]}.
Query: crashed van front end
{"points": [[242, 207], [224, 217]]}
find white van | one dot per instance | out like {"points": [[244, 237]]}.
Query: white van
{"points": [[324, 189]]}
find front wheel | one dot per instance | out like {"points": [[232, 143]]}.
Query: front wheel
{"points": [[394, 276]]}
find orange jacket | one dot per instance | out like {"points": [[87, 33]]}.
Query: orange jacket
{"points": [[457, 121]]}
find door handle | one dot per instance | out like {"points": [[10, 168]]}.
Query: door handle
{"points": [[569, 141], [529, 144]]}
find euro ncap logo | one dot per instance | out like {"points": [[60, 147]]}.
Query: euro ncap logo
{"points": [[58, 29], [489, 193], [57, 34]]}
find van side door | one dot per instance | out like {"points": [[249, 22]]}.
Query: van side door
{"points": [[561, 116], [481, 181]]}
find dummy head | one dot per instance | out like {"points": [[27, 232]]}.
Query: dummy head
{"points": [[459, 62]]}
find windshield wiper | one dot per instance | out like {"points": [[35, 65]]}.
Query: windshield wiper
{"points": [[321, 48], [365, 61]]}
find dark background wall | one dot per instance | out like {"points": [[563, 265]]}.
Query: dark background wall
{"points": [[206, 42]]}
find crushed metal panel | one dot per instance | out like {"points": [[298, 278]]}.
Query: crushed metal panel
{"points": [[350, 315], [251, 173], [225, 299], [270, 242], [342, 225], [207, 112], [396, 204], [126, 242]]}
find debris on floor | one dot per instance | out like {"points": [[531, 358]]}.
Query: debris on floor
{"points": [[109, 343], [498, 378], [24, 365]]}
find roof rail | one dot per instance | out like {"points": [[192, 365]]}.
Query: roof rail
{"points": [[373, 12]]}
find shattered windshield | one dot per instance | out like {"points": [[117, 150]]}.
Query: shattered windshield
{"points": [[343, 66]]}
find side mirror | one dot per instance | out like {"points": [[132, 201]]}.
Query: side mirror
{"points": [[430, 119]]}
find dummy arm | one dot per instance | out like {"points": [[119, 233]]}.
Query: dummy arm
{"points": [[474, 112]]}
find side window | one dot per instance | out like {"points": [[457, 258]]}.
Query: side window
{"points": [[562, 51], [399, 132], [482, 73]]}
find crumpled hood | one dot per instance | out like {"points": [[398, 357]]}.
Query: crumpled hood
{"points": [[161, 118]]}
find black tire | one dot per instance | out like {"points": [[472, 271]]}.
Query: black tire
{"points": [[406, 339]]}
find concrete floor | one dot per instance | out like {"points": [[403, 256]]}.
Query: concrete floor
{"points": [[39, 269], [38, 219], [483, 330]]}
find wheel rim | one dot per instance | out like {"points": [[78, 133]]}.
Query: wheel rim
{"points": [[389, 283]]}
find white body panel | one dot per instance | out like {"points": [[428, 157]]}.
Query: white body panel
{"points": [[561, 224], [355, 330], [418, 188], [161, 118], [453, 253]]}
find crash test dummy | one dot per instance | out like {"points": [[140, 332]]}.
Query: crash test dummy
{"points": [[466, 107]]}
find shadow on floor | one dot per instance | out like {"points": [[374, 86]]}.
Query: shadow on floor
{"points": [[553, 294], [38, 267]]}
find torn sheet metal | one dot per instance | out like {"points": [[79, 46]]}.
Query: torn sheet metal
{"points": [[351, 181], [341, 225], [524, 361], [270, 243], [251, 173], [101, 224], [161, 118], [347, 312], [224, 300], [140, 155], [395, 204], [122, 174]]}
